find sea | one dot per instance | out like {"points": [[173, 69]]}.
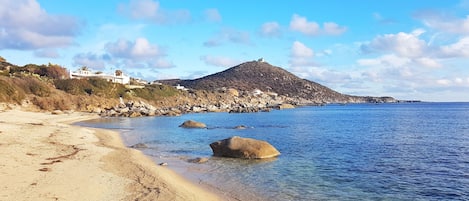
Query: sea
{"points": [[395, 151]]}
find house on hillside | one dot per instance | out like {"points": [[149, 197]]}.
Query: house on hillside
{"points": [[180, 87], [85, 73]]}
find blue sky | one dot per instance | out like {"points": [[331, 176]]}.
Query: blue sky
{"points": [[406, 49]]}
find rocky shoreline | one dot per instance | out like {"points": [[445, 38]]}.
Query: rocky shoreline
{"points": [[230, 101]]}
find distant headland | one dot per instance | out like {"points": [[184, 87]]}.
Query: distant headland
{"points": [[248, 87]]}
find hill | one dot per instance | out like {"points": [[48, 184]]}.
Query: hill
{"points": [[260, 75]]}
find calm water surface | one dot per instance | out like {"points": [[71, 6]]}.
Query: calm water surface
{"points": [[417, 151]]}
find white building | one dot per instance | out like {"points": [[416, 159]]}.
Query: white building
{"points": [[118, 76], [180, 87]]}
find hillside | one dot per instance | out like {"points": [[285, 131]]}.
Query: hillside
{"points": [[265, 77]]}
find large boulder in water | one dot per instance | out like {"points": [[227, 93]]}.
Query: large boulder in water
{"points": [[238, 147], [193, 124]]}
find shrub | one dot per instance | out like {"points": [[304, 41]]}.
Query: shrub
{"points": [[94, 86], [74, 86], [52, 71], [155, 92], [31, 85], [10, 93]]}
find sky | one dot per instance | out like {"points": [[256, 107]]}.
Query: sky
{"points": [[410, 50]]}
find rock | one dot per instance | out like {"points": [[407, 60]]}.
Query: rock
{"points": [[198, 160], [96, 110], [193, 124], [240, 127], [285, 106], [57, 112], [232, 92], [139, 146], [238, 147], [134, 114]]}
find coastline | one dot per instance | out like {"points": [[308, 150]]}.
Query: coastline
{"points": [[44, 157]]}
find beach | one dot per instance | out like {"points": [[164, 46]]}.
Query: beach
{"points": [[44, 157]]}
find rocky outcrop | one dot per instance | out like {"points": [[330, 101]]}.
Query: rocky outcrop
{"points": [[248, 148], [192, 124], [130, 109]]}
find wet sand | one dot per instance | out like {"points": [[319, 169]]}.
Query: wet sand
{"points": [[44, 157]]}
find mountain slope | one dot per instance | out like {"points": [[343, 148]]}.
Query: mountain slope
{"points": [[261, 75]]}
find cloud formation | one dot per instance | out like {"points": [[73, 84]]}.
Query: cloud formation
{"points": [[443, 22], [212, 15], [301, 55], [270, 29], [228, 35], [140, 49], [151, 11], [311, 28], [138, 54], [24, 25], [403, 44]]}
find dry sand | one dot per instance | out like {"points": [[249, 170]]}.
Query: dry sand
{"points": [[43, 157]]}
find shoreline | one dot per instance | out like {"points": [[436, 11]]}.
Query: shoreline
{"points": [[44, 157]]}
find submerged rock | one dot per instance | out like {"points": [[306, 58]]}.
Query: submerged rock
{"points": [[240, 127], [193, 124], [238, 147], [197, 160], [139, 146]]}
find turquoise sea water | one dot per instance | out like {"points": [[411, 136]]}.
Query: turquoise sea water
{"points": [[417, 151]]}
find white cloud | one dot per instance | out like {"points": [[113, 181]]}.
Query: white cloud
{"points": [[385, 60], [311, 28], [220, 61], [385, 21], [300, 50], [458, 49], [140, 49], [24, 25], [301, 55], [229, 35], [151, 11], [270, 29], [331, 28], [140, 9], [444, 22], [161, 63], [402, 44], [323, 75], [428, 62], [136, 54], [212, 15], [301, 24]]}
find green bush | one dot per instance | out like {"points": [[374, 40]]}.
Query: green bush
{"points": [[95, 86], [74, 86], [155, 92]]}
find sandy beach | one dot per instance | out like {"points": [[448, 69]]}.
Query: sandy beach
{"points": [[44, 157]]}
